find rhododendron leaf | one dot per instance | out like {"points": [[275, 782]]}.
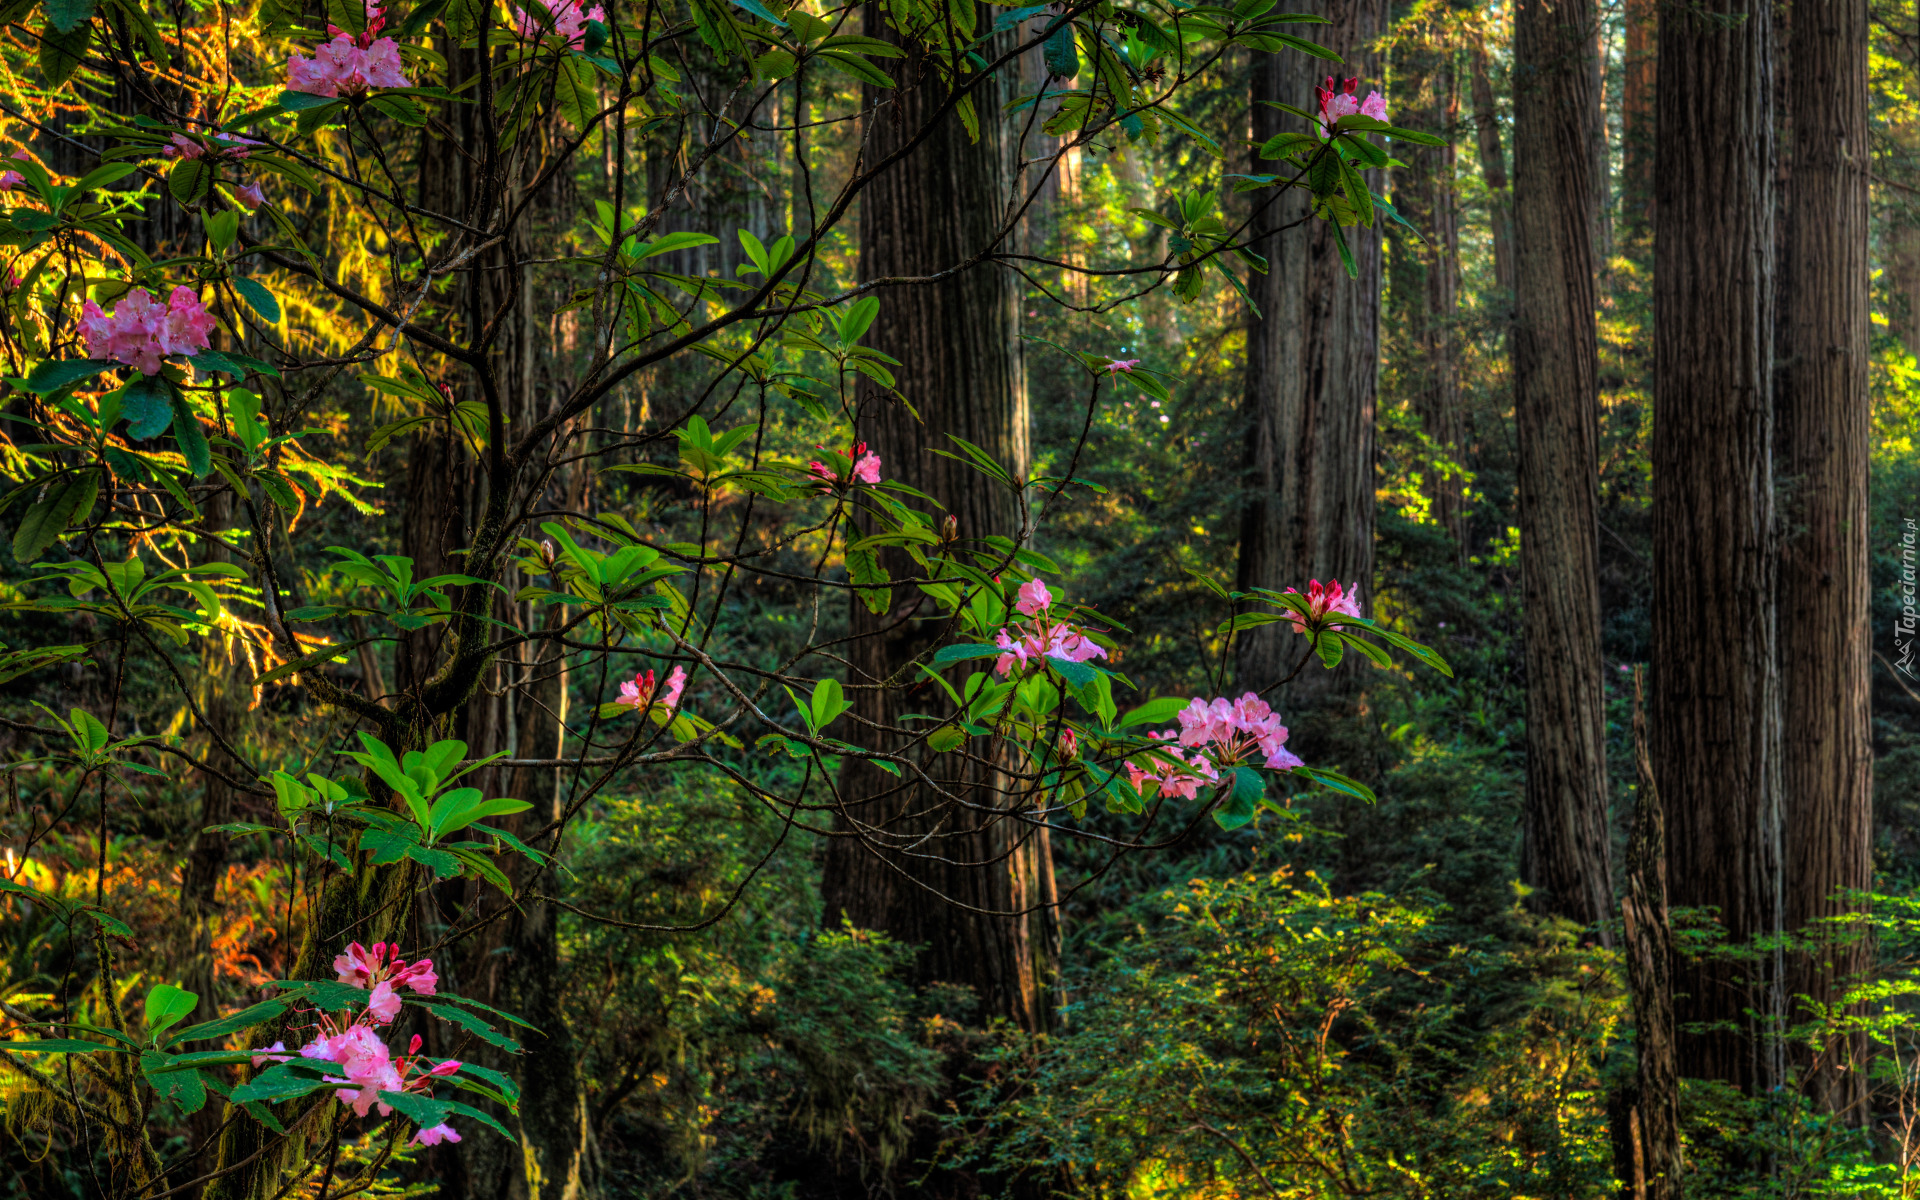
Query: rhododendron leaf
{"points": [[284, 1081], [477, 865], [1337, 782], [246, 1018], [440, 862], [1153, 712], [58, 1046], [62, 53], [502, 1082], [1366, 648], [1077, 675], [54, 375], [258, 298], [1329, 648], [953, 654], [191, 438], [66, 497], [165, 1063], [475, 1025], [863, 567], [166, 1006], [187, 1089], [474, 1114], [388, 845], [762, 11]]}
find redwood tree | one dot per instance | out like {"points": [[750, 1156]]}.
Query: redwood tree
{"points": [[1715, 702], [1564, 852], [1823, 440], [1312, 369], [962, 876]]}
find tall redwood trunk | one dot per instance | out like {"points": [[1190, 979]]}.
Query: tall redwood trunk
{"points": [[1312, 370], [972, 888], [1636, 117], [1493, 166], [1426, 270], [1823, 410], [1564, 850], [1715, 702]]}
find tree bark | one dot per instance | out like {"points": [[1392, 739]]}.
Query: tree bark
{"points": [[1312, 372], [1715, 704], [1565, 845], [972, 888], [1493, 167], [1656, 1165], [1426, 274], [1636, 118], [1823, 443]]}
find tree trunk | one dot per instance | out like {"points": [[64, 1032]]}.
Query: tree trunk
{"points": [[1564, 850], [1656, 1163], [973, 889], [1426, 274], [1636, 119], [1493, 168], [1312, 368], [1823, 442], [1715, 706]]}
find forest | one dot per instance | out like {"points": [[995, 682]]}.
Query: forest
{"points": [[797, 600]]}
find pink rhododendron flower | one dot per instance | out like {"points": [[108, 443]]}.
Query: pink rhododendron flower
{"points": [[274, 1053], [1122, 364], [1324, 599], [569, 21], [250, 194], [637, 693], [356, 967], [1181, 777], [342, 67], [1337, 100], [436, 1135], [863, 467], [384, 1002], [360, 967], [183, 147], [418, 975], [140, 331], [1034, 596], [10, 180]]}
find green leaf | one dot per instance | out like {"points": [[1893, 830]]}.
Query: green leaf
{"points": [[1242, 803], [1153, 712], [192, 438], [58, 1046], [69, 15], [258, 298], [62, 53], [246, 1018], [48, 517], [473, 1024], [55, 374], [863, 567], [221, 227], [319, 658], [953, 654], [147, 404], [167, 1005], [668, 243], [575, 94], [191, 180]]}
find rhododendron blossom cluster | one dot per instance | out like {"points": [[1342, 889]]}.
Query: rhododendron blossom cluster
{"points": [[354, 1045], [637, 693], [569, 21], [141, 331], [1325, 599], [865, 468], [1337, 100], [1215, 736], [1175, 772], [349, 65], [1022, 643], [1229, 732]]}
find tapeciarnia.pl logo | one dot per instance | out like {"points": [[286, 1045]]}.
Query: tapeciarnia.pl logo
{"points": [[1909, 619]]}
